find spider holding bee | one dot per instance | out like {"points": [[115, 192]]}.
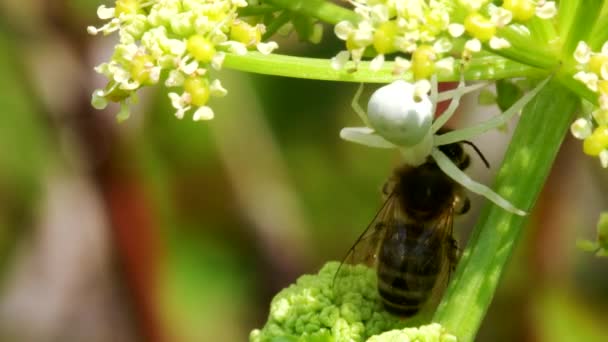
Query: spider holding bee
{"points": [[410, 241]]}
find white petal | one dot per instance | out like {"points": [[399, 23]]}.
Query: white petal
{"points": [[582, 53], [267, 48], [547, 10], [376, 63], [498, 43], [456, 30], [217, 89], [473, 45], [581, 128], [339, 61], [203, 113], [343, 29], [218, 60], [104, 12]]}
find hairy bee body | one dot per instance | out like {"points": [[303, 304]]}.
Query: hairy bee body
{"points": [[410, 240]]}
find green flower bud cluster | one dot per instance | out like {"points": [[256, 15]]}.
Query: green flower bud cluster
{"points": [[175, 41], [312, 307]]}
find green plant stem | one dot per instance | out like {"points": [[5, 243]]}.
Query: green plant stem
{"points": [[320, 69], [537, 139], [320, 9]]}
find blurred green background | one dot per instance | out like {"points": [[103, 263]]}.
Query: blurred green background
{"points": [[165, 230]]}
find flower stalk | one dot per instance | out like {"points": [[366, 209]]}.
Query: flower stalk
{"points": [[532, 151]]}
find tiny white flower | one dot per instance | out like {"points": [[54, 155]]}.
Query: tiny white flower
{"points": [[339, 61], [582, 53], [604, 158], [267, 48], [379, 13], [581, 128], [105, 13], [445, 65], [588, 78], [456, 30], [203, 113], [497, 43], [357, 54], [473, 45], [180, 103], [216, 89], [218, 60], [547, 10], [236, 47], [343, 29], [401, 65], [422, 88], [189, 68], [601, 116], [376, 63], [500, 16]]}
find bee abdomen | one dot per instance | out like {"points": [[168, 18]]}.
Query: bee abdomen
{"points": [[407, 271], [404, 293]]}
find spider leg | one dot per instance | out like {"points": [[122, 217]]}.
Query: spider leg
{"points": [[499, 120], [445, 116], [448, 167], [365, 136], [357, 107], [434, 92]]}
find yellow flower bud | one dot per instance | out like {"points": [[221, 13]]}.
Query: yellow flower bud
{"points": [[200, 48], [198, 88], [479, 27]]}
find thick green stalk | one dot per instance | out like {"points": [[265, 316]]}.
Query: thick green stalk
{"points": [[320, 69], [537, 139]]}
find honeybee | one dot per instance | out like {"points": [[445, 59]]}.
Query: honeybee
{"points": [[410, 241]]}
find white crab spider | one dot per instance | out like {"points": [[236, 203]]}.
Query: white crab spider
{"points": [[400, 115]]}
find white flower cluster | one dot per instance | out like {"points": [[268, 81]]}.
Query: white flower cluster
{"points": [[593, 72], [177, 41], [428, 29]]}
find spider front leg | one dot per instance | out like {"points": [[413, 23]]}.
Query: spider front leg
{"points": [[357, 107], [450, 169], [455, 95], [495, 122]]}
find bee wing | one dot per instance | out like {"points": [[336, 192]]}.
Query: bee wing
{"points": [[365, 249], [443, 228]]}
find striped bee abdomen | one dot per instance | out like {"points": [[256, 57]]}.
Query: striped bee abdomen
{"points": [[409, 262]]}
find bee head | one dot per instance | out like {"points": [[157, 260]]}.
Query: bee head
{"points": [[457, 154]]}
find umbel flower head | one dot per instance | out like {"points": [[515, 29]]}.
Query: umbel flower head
{"points": [[310, 310], [178, 41], [430, 31], [593, 72]]}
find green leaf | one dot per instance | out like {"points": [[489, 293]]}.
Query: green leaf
{"points": [[507, 94]]}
